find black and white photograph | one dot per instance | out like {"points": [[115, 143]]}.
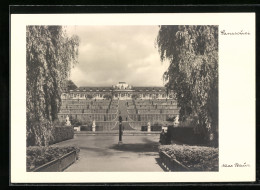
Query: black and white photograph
{"points": [[126, 98], [120, 109]]}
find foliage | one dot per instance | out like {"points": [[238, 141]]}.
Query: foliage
{"points": [[62, 134], [170, 118], [37, 156], [50, 53], [89, 96], [144, 128], [193, 72], [196, 158], [71, 85], [185, 135], [156, 128], [75, 122], [135, 96], [58, 123], [160, 123], [107, 96], [86, 128]]}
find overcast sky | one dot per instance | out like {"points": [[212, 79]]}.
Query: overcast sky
{"points": [[109, 54]]}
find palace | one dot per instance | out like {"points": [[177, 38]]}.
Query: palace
{"points": [[120, 91], [138, 106]]}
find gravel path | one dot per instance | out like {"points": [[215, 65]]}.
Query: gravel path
{"points": [[102, 153]]}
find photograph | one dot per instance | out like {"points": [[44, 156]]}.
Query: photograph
{"points": [[101, 98], [132, 98]]}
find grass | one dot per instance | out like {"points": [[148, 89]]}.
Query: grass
{"points": [[196, 158]]}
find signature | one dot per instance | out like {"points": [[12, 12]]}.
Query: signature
{"points": [[241, 32], [236, 165]]}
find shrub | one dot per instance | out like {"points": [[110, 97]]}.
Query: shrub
{"points": [[185, 135], [75, 122], [196, 158], [144, 128], [62, 134], [160, 123], [171, 119], [99, 128], [86, 128], [37, 156], [156, 128], [58, 123]]}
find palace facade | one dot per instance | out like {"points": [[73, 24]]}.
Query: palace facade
{"points": [[120, 91], [137, 105]]}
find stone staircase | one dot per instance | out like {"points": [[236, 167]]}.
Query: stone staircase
{"points": [[122, 110]]}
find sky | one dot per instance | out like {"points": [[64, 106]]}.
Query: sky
{"points": [[109, 54]]}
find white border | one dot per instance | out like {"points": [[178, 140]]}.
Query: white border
{"points": [[236, 96]]}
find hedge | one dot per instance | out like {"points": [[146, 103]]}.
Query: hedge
{"points": [[99, 128], [89, 128], [37, 156], [86, 128], [153, 128], [185, 135], [196, 158], [62, 134], [156, 128], [144, 128]]}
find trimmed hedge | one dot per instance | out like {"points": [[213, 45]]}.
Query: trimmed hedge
{"points": [[144, 128], [153, 128], [196, 158], [37, 156], [185, 135], [86, 128], [99, 128], [156, 128], [62, 134], [89, 128]]}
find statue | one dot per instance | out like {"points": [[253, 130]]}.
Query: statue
{"points": [[176, 121], [149, 127], [94, 126], [68, 121]]}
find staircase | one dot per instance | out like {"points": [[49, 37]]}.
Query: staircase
{"points": [[122, 110]]}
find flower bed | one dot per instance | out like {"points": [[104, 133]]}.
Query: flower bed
{"points": [[37, 156], [196, 158]]}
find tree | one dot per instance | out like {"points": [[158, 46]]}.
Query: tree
{"points": [[89, 96], [193, 72], [135, 96], [71, 85], [50, 53], [107, 96]]}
